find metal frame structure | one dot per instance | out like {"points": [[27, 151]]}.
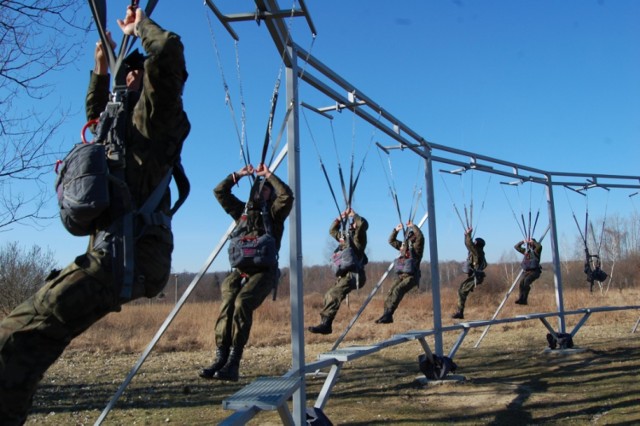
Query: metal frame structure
{"points": [[273, 393], [345, 95]]}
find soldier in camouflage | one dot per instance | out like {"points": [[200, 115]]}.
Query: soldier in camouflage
{"points": [[474, 268], [35, 334], [531, 269], [411, 250], [244, 289], [346, 281]]}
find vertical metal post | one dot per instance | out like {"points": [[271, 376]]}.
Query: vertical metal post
{"points": [[557, 272], [295, 242], [433, 251]]}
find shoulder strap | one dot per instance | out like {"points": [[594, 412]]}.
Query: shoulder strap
{"points": [[148, 209], [182, 182], [266, 219]]}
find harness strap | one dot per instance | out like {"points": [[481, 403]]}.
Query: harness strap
{"points": [[182, 182]]}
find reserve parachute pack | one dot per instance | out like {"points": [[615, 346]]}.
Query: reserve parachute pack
{"points": [[530, 261], [251, 252], [406, 263], [82, 187], [345, 259]]}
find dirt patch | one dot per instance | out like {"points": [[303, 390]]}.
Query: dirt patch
{"points": [[509, 379]]}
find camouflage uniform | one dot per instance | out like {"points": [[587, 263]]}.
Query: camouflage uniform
{"points": [[243, 291], [475, 275], [404, 282], [36, 333], [351, 280], [530, 273]]}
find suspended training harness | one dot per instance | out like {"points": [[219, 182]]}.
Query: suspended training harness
{"points": [[253, 252], [248, 251], [91, 184], [527, 227], [345, 257], [241, 131], [468, 209], [406, 262], [592, 262]]}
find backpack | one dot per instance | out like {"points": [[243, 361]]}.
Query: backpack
{"points": [[246, 252], [250, 251], [82, 187], [530, 261], [345, 260], [407, 264]]}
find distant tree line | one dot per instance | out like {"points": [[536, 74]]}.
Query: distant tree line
{"points": [[23, 271]]}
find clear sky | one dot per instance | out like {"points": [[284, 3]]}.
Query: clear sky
{"points": [[549, 84]]}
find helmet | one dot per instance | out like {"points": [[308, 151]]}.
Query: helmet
{"points": [[479, 242], [134, 61], [259, 183]]}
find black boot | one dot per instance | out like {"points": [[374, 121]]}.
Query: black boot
{"points": [[524, 294], [458, 315], [521, 301], [324, 327], [230, 371], [222, 354], [386, 318]]}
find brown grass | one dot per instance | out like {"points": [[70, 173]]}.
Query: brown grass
{"points": [[509, 379], [132, 329]]}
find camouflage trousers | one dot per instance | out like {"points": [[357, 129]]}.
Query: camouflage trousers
{"points": [[467, 287], [241, 295], [338, 292], [35, 333], [401, 286], [528, 277]]}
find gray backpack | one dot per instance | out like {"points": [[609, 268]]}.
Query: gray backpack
{"points": [[82, 187]]}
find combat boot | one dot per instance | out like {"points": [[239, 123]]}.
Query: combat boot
{"points": [[459, 314], [521, 301], [386, 318], [222, 354], [324, 327], [230, 371]]}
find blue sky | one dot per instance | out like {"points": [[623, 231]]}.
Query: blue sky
{"points": [[549, 84]]}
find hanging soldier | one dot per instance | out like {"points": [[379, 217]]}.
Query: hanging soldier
{"points": [[592, 268], [253, 255], [531, 269], [152, 129], [406, 266], [473, 267], [348, 262]]}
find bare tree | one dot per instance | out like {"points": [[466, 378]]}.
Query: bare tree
{"points": [[22, 273], [36, 38]]}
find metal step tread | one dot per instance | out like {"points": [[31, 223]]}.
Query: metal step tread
{"points": [[265, 393]]}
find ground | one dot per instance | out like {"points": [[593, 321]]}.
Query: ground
{"points": [[511, 378]]}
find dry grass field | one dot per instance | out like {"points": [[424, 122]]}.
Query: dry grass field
{"points": [[509, 379]]}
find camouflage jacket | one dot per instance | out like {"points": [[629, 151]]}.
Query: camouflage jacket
{"points": [[417, 242], [158, 124], [536, 249], [279, 208], [475, 258], [358, 235]]}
